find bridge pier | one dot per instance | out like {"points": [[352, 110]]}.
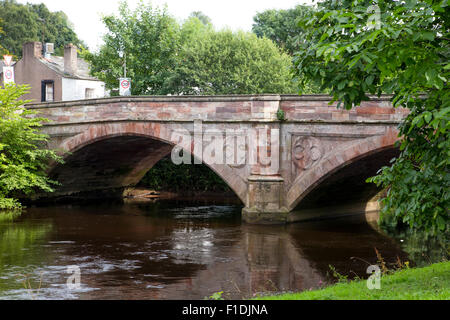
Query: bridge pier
{"points": [[265, 201]]}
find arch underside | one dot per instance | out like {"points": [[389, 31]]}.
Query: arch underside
{"points": [[108, 164], [112, 157], [118, 155], [347, 186], [342, 173]]}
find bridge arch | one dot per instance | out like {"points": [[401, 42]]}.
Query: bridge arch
{"points": [[154, 136], [335, 161]]}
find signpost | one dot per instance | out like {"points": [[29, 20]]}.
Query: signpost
{"points": [[125, 87], [7, 59], [8, 70]]}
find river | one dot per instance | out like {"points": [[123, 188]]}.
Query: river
{"points": [[178, 250]]}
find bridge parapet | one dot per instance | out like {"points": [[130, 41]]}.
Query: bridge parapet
{"points": [[218, 108]]}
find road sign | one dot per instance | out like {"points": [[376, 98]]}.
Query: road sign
{"points": [[7, 59], [125, 87], [8, 75]]}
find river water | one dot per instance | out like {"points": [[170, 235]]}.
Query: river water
{"points": [[177, 250]]}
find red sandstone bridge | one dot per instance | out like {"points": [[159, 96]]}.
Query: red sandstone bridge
{"points": [[323, 154]]}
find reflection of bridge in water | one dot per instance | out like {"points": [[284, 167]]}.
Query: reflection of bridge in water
{"points": [[319, 154], [127, 253]]}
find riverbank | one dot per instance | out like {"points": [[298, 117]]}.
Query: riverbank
{"points": [[427, 283], [149, 195]]}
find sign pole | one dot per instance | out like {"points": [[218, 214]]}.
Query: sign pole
{"points": [[125, 83], [125, 65]]}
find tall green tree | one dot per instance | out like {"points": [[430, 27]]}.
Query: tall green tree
{"points": [[55, 28], [281, 26], [147, 40], [201, 16], [360, 47], [224, 62], [163, 57], [34, 22], [23, 156], [2, 34]]}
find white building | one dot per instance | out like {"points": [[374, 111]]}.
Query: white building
{"points": [[55, 78]]}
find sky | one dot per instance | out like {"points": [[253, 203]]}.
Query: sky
{"points": [[236, 14]]}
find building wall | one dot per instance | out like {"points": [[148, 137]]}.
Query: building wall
{"points": [[75, 89], [31, 71]]}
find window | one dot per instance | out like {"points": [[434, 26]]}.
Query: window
{"points": [[89, 93], [48, 91]]}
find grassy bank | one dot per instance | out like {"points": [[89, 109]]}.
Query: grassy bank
{"points": [[432, 282]]}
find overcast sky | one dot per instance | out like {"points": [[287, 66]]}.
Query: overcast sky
{"points": [[236, 14]]}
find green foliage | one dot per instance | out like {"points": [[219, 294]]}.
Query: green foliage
{"points": [[169, 177], [23, 160], [216, 296], [3, 51], [429, 283], [34, 22], [354, 48], [281, 115], [148, 40], [281, 26], [202, 17], [339, 277], [163, 57], [223, 62]]}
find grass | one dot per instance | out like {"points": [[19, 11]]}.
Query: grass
{"points": [[427, 283]]}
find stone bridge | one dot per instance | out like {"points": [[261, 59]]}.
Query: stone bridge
{"points": [[317, 155]]}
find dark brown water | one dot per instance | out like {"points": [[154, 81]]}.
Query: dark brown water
{"points": [[176, 251]]}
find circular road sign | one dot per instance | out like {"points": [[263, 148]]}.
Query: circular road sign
{"points": [[8, 74], [125, 84]]}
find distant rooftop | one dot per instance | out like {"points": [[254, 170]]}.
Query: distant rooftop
{"points": [[57, 64]]}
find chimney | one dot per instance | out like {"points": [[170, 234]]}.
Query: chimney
{"points": [[32, 50], [70, 59]]}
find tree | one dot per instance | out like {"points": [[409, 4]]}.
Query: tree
{"points": [[224, 62], [23, 158], [163, 58], [56, 28], [147, 40], [360, 47], [281, 26], [34, 22], [202, 17], [2, 34]]}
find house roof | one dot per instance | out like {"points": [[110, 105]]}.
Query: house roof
{"points": [[57, 64]]}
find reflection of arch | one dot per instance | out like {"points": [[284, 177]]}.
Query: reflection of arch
{"points": [[336, 160], [161, 134]]}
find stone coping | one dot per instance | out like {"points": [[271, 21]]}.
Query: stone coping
{"points": [[219, 98]]}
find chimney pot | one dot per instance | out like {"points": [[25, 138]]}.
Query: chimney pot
{"points": [[70, 59]]}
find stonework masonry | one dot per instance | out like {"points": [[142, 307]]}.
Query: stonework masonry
{"points": [[111, 143]]}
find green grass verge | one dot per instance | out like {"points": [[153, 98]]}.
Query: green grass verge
{"points": [[428, 283]]}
